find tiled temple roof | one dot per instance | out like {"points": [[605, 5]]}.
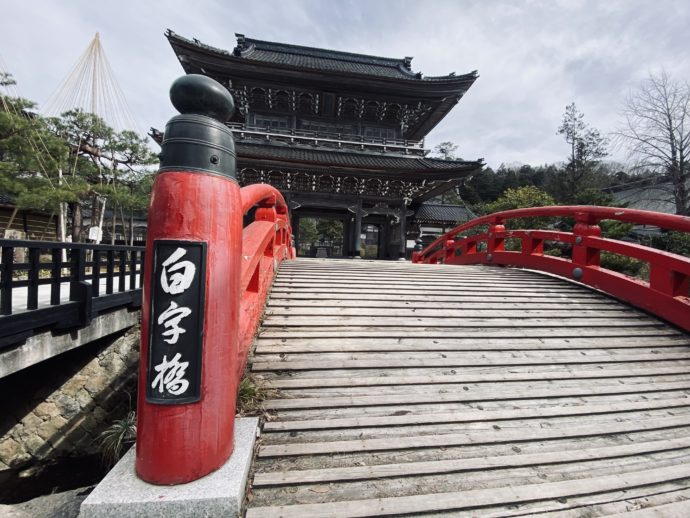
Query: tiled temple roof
{"points": [[324, 59], [391, 164], [314, 58], [443, 213]]}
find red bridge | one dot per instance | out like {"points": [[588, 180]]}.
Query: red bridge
{"points": [[480, 389], [502, 382]]}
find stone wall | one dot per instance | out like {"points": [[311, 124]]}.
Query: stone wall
{"points": [[60, 407]]}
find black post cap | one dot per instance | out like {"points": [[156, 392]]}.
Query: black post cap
{"points": [[201, 95], [198, 139]]}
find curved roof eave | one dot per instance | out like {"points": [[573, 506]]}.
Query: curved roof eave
{"points": [[356, 163], [455, 83]]}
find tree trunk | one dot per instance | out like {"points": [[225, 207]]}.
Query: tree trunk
{"points": [[95, 209], [75, 207], [124, 225], [113, 224], [9, 223], [131, 227]]}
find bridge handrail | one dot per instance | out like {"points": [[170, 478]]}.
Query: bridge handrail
{"points": [[666, 294], [266, 242], [122, 278]]}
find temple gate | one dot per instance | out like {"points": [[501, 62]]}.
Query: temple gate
{"points": [[340, 135]]}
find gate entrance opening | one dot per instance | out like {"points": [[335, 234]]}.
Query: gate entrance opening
{"points": [[371, 241], [320, 237]]}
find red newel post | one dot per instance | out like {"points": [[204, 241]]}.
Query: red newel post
{"points": [[583, 256], [189, 332], [495, 243], [450, 250]]}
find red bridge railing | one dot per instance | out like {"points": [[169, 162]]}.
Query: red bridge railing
{"points": [[266, 242], [665, 294]]}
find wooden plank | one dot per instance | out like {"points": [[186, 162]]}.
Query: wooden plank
{"points": [[415, 275], [258, 365], [458, 482], [466, 481], [440, 396], [556, 355], [430, 284], [652, 375], [378, 266], [383, 321], [436, 290], [452, 297], [441, 332], [449, 273], [604, 305], [492, 372], [524, 425], [307, 345], [600, 504], [475, 498], [377, 471], [410, 418], [526, 287], [412, 279], [647, 375], [444, 313], [487, 436], [488, 389], [471, 406], [679, 509]]}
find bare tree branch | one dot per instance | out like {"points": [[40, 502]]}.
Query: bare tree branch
{"points": [[656, 131]]}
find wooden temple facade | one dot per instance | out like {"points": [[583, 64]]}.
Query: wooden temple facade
{"points": [[341, 135]]}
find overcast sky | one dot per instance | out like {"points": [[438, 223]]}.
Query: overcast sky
{"points": [[533, 57]]}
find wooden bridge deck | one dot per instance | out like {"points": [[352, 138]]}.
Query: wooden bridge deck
{"points": [[462, 390]]}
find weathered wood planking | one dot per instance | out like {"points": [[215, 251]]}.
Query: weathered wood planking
{"points": [[438, 502], [458, 465], [400, 389], [306, 345]]}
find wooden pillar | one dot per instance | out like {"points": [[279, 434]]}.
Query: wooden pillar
{"points": [[358, 231], [403, 231], [294, 222]]}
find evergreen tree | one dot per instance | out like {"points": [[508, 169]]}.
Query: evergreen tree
{"points": [[75, 159], [587, 148]]}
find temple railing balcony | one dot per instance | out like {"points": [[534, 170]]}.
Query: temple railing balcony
{"points": [[329, 140]]}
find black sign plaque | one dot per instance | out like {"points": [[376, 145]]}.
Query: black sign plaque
{"points": [[176, 323]]}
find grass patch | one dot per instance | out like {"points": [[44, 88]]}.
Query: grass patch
{"points": [[114, 438], [250, 396]]}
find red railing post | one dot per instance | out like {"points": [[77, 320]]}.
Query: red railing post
{"points": [[495, 243], [189, 333], [532, 246], [450, 249], [667, 281], [586, 225]]}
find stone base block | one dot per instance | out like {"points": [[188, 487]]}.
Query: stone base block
{"points": [[122, 494]]}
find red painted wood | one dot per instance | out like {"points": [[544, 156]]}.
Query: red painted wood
{"points": [[666, 294], [180, 443], [265, 244]]}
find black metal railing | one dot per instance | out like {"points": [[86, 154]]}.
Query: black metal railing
{"points": [[63, 285]]}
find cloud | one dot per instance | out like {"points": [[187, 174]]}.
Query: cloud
{"points": [[533, 57]]}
